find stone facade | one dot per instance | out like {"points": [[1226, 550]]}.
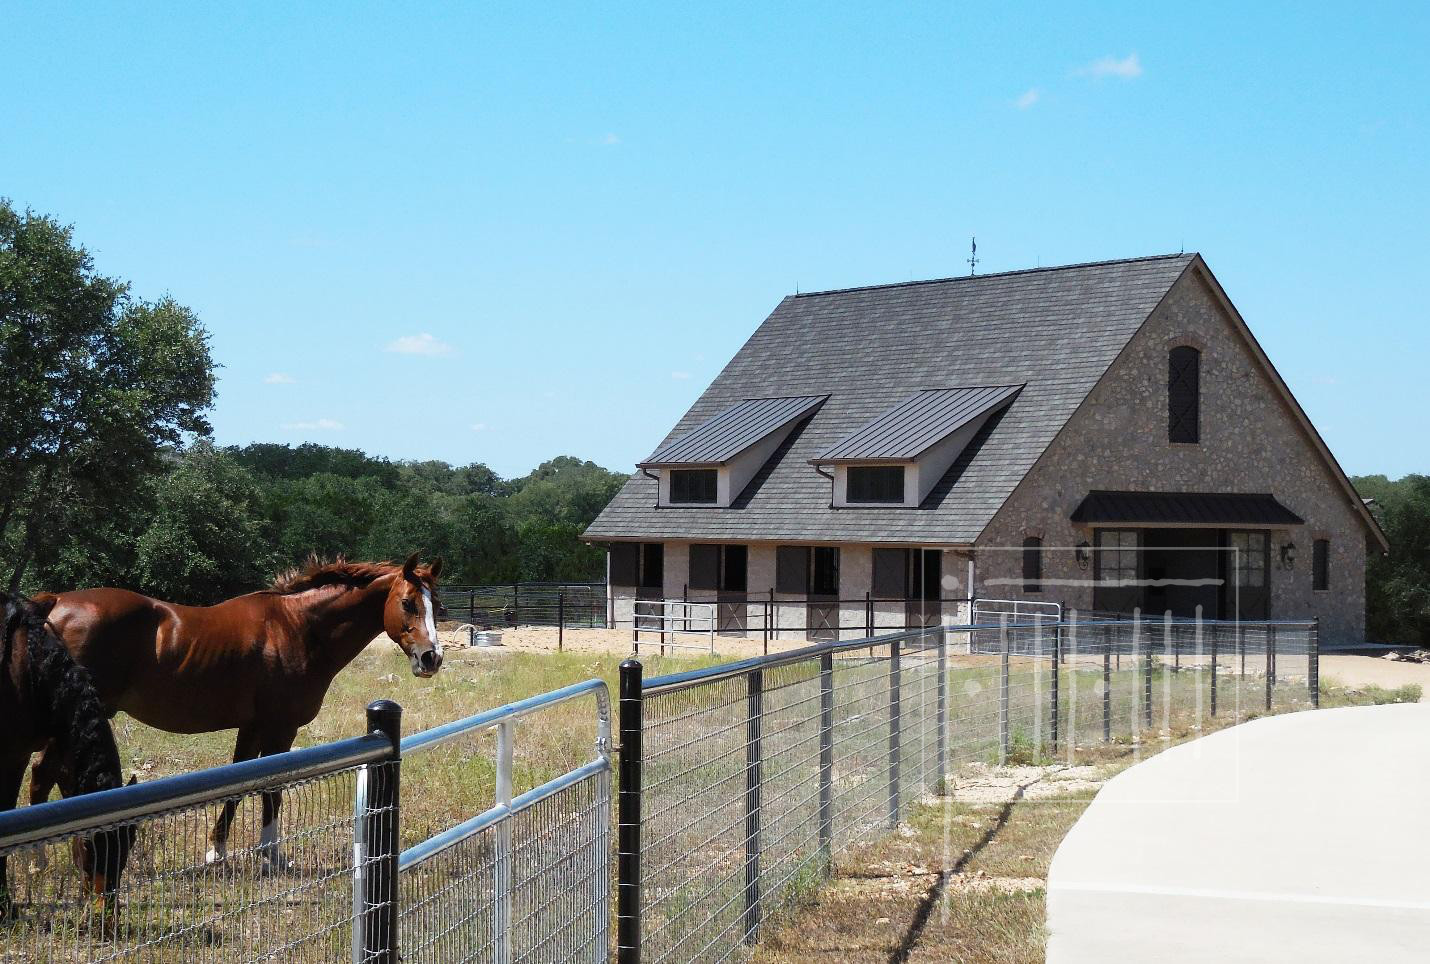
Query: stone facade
{"points": [[1250, 441]]}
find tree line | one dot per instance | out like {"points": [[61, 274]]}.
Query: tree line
{"points": [[1397, 586], [108, 475]]}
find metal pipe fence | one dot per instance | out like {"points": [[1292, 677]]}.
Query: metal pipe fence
{"points": [[525, 879], [568, 605], [742, 783]]}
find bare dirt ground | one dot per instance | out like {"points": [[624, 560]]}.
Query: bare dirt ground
{"points": [[1361, 671]]}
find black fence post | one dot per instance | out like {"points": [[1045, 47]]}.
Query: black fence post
{"points": [[378, 863], [628, 817], [754, 777], [560, 619], [826, 762], [895, 731], [1313, 662], [1270, 638], [516, 604]]}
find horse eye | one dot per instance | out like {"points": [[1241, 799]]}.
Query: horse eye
{"points": [[409, 605]]}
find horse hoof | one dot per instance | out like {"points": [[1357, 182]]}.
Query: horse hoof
{"points": [[214, 856]]}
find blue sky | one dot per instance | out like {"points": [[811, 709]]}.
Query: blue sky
{"points": [[502, 233]]}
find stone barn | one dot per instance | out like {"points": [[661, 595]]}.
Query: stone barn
{"points": [[1108, 437]]}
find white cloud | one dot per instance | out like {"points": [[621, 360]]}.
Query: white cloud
{"points": [[423, 344], [1125, 68], [479, 426], [279, 378], [1028, 99], [316, 425], [680, 376]]}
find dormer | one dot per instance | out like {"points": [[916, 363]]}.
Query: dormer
{"points": [[711, 465], [896, 459]]}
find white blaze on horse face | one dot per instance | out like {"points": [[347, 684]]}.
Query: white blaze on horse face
{"points": [[429, 621]]}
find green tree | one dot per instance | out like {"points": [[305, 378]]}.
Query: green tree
{"points": [[207, 539], [98, 384], [1398, 584]]}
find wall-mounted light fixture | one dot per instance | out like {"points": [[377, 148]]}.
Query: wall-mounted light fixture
{"points": [[1083, 553], [1288, 555]]}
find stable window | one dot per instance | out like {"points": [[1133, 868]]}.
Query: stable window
{"points": [[1032, 564], [1321, 564], [719, 567], [1117, 557], [693, 486], [883, 484], [652, 565], [1249, 559], [1184, 394], [807, 570]]}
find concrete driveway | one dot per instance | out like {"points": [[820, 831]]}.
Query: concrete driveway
{"points": [[1288, 838]]}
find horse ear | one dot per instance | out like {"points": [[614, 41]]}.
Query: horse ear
{"points": [[410, 566], [436, 568]]}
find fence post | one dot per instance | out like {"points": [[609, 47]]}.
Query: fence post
{"points": [[1216, 637], [377, 860], [628, 817], [941, 714], [826, 761], [1053, 688], [516, 604], [895, 727], [1004, 736], [754, 777], [1270, 664], [501, 848], [1106, 685], [1313, 663], [868, 614], [560, 619]]}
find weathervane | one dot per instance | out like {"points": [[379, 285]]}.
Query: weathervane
{"points": [[973, 258]]}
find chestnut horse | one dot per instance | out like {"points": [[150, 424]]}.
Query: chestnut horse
{"points": [[46, 701], [261, 662]]}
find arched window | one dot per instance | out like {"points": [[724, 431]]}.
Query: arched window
{"points": [[1032, 564], [1184, 394]]}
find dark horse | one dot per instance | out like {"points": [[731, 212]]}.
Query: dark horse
{"points": [[46, 701], [261, 662]]}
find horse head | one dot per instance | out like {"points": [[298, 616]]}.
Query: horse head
{"points": [[100, 858], [411, 614]]}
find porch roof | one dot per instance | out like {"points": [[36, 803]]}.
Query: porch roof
{"points": [[1184, 508]]}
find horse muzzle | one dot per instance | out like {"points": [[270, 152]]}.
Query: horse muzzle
{"points": [[426, 663]]}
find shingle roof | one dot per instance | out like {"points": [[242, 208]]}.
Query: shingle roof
{"points": [[1184, 508], [1055, 329], [732, 431], [908, 429]]}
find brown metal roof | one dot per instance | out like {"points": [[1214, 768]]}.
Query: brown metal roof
{"points": [[725, 436], [1184, 508], [923, 419]]}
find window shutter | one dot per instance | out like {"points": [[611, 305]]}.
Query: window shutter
{"points": [[1183, 394], [891, 574], [704, 567], [625, 563], [1321, 564], [792, 569], [1032, 564]]}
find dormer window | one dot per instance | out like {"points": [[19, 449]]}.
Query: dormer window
{"points": [[713, 463], [694, 486], [898, 457], [875, 484]]}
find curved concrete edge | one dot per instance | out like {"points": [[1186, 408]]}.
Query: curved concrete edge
{"points": [[1266, 841]]}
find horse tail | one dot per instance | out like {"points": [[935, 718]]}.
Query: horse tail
{"points": [[78, 721]]}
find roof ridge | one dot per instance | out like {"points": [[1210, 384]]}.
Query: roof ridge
{"points": [[995, 274]]}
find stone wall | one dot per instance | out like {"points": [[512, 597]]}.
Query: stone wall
{"points": [[1250, 442]]}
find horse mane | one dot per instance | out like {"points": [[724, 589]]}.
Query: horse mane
{"points": [[76, 719], [317, 573]]}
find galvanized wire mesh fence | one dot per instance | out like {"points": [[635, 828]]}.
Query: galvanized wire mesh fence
{"points": [[573, 605], [742, 782]]}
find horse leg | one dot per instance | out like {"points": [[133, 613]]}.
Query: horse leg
{"points": [[244, 748], [12, 773], [44, 774], [279, 742]]}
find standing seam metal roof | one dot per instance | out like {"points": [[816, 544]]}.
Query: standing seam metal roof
{"points": [[732, 431], [908, 429]]}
